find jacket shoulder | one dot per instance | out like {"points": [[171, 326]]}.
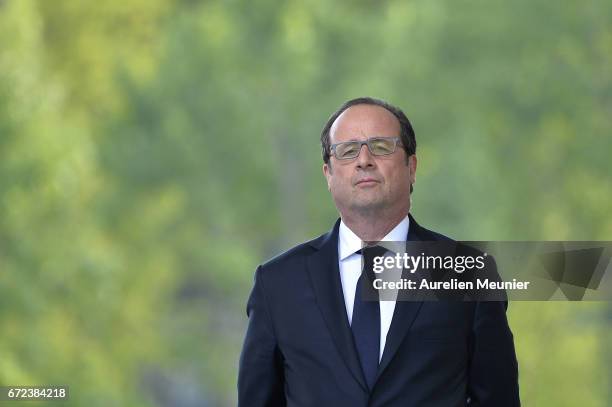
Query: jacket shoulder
{"points": [[293, 255]]}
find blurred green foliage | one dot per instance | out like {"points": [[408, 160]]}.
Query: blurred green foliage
{"points": [[152, 153]]}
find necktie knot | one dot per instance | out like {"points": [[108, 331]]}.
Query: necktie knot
{"points": [[372, 251], [370, 254]]}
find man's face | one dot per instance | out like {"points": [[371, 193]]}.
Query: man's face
{"points": [[369, 184]]}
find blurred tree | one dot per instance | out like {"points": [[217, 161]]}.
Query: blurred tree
{"points": [[153, 152]]}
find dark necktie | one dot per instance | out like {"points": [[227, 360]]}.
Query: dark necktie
{"points": [[365, 323]]}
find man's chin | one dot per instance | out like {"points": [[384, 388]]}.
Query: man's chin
{"points": [[367, 206]]}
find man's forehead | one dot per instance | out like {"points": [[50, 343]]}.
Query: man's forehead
{"points": [[363, 121]]}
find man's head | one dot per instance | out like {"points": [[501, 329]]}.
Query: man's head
{"points": [[369, 184]]}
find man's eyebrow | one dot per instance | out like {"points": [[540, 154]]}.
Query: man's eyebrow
{"points": [[370, 137]]}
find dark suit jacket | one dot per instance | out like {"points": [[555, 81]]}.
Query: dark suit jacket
{"points": [[299, 348]]}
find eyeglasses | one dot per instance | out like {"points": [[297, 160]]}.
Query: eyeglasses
{"points": [[377, 146]]}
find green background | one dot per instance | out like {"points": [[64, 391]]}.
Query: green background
{"points": [[153, 153]]}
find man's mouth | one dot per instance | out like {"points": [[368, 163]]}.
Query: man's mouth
{"points": [[367, 182]]}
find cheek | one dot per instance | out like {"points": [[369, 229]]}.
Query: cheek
{"points": [[401, 179], [339, 183], [335, 185]]}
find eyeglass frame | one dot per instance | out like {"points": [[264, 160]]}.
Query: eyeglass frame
{"points": [[332, 148]]}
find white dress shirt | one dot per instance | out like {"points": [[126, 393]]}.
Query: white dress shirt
{"points": [[350, 270]]}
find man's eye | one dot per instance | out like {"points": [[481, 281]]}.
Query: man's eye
{"points": [[347, 150], [381, 147]]}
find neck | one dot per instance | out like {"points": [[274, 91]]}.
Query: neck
{"points": [[372, 228]]}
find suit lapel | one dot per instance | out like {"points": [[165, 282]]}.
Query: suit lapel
{"points": [[404, 314], [325, 277]]}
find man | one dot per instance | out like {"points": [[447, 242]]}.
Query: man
{"points": [[313, 341]]}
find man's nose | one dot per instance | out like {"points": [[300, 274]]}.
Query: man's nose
{"points": [[365, 158]]}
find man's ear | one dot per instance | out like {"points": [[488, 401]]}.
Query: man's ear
{"points": [[412, 163], [327, 171]]}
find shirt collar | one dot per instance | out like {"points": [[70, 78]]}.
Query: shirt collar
{"points": [[349, 242]]}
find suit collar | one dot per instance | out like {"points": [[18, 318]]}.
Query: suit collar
{"points": [[416, 231], [325, 278]]}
